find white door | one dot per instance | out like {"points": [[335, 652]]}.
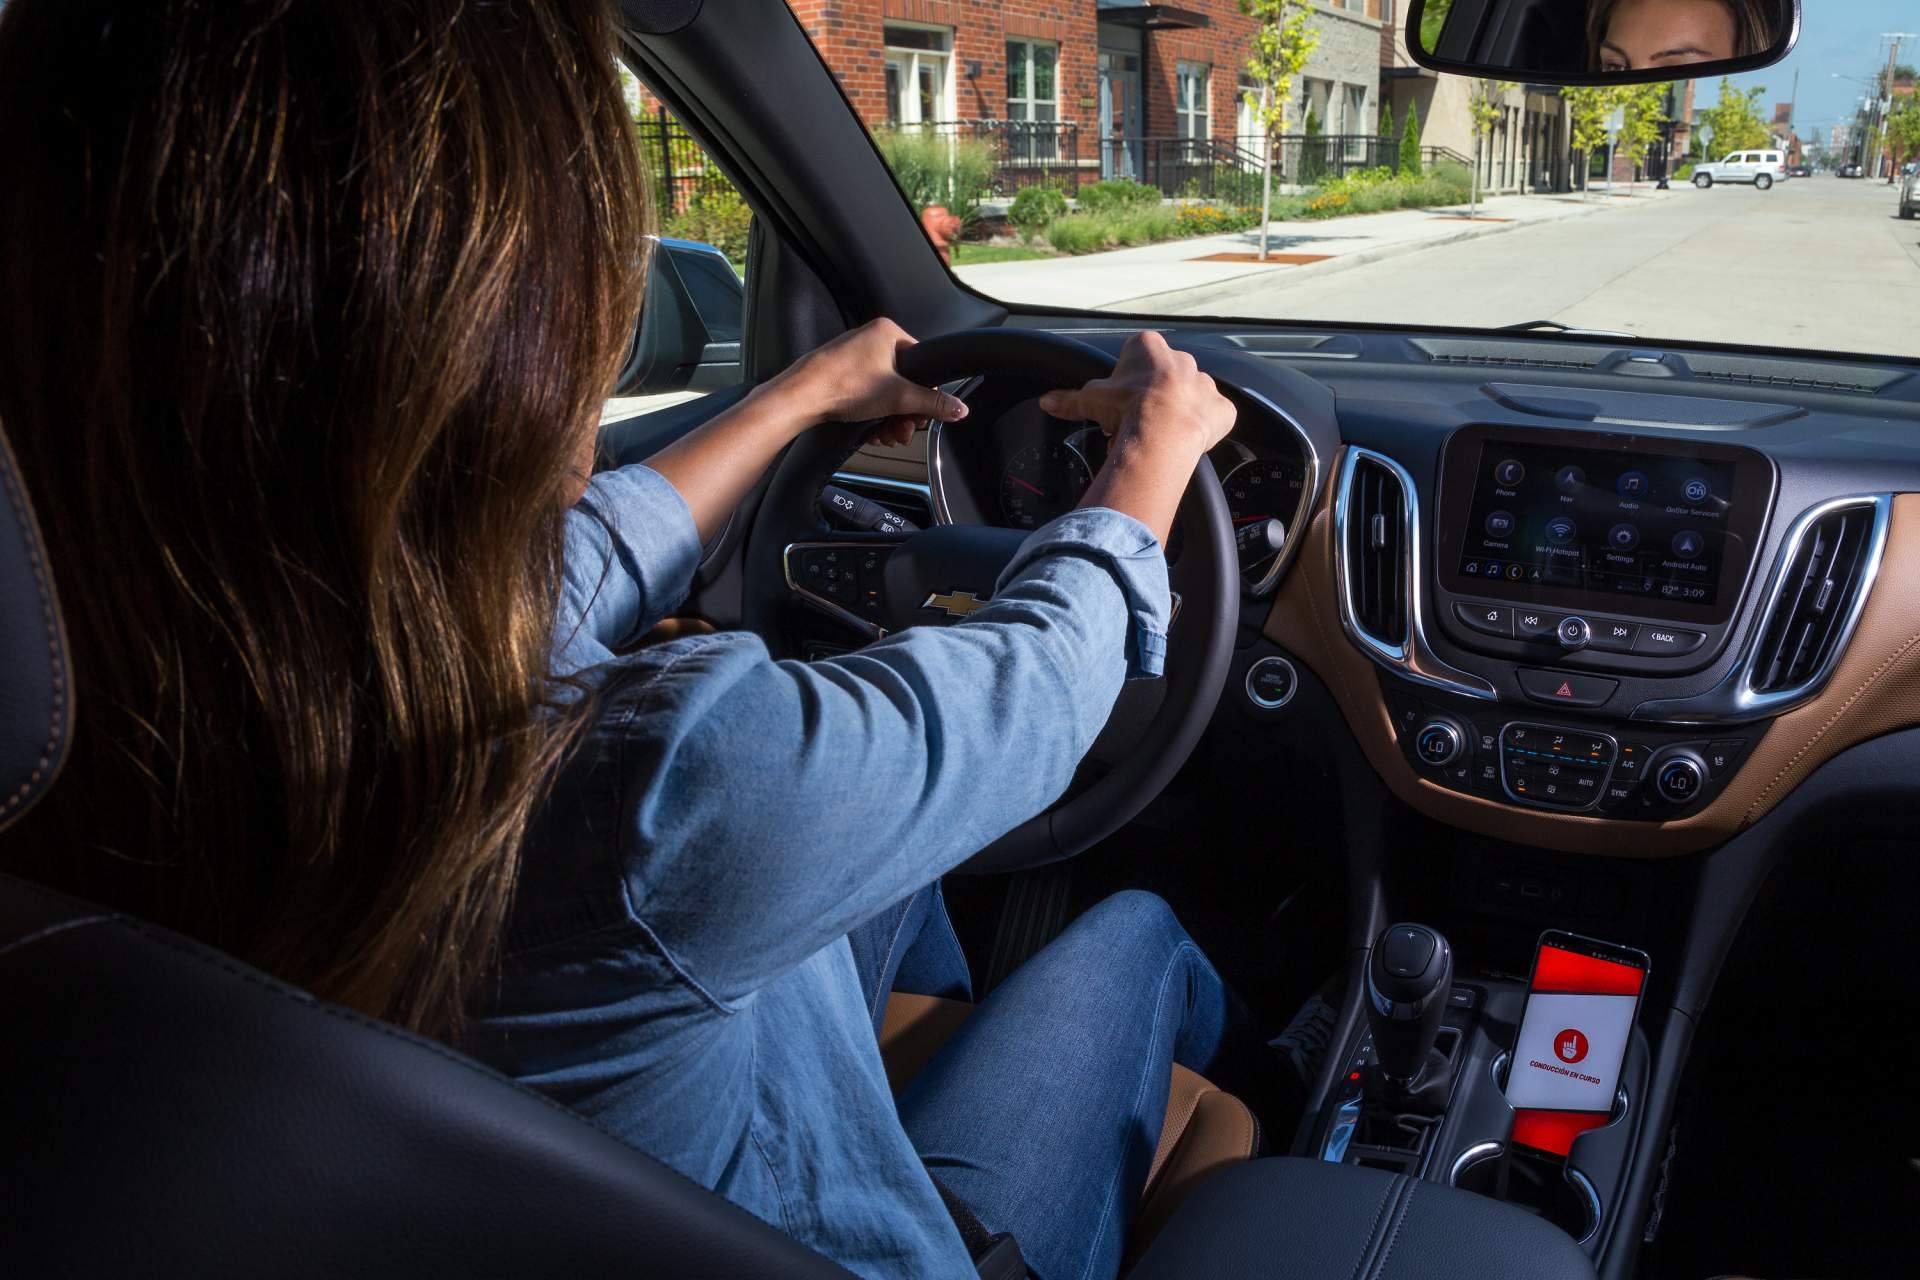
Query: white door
{"points": [[918, 63]]}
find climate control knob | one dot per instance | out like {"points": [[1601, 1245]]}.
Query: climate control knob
{"points": [[1573, 632], [1441, 741], [1679, 775]]}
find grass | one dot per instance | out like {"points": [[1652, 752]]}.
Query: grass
{"points": [[973, 255]]}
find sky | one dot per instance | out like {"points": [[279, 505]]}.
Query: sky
{"points": [[1835, 36]]}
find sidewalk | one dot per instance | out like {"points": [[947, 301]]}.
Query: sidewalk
{"points": [[1176, 274]]}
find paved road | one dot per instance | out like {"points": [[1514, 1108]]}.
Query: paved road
{"points": [[1817, 263]]}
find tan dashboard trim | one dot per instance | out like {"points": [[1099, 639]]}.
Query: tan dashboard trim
{"points": [[1875, 689]]}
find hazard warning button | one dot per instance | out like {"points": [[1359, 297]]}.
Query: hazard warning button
{"points": [[1565, 688]]}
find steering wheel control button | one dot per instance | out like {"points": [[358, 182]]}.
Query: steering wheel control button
{"points": [[1679, 775], [1271, 683], [1667, 642], [1487, 619], [1612, 636], [1440, 742], [1573, 632], [1532, 624], [1565, 688]]}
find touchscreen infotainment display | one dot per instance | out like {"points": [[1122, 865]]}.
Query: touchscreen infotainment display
{"points": [[1644, 527], [1611, 524]]}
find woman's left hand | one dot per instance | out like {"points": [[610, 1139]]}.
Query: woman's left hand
{"points": [[854, 378]]}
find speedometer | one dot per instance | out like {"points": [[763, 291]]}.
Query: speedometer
{"points": [[1042, 481], [1259, 490]]}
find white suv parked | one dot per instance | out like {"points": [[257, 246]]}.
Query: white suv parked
{"points": [[1761, 168]]}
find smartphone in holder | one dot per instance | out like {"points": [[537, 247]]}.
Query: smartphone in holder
{"points": [[1565, 1069]]}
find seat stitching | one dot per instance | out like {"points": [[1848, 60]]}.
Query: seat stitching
{"points": [[23, 942], [1406, 1204], [50, 620], [1366, 1243]]}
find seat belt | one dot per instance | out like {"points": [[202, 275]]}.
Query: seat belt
{"points": [[995, 1257]]}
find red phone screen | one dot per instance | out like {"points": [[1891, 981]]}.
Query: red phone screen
{"points": [[1573, 1038]]}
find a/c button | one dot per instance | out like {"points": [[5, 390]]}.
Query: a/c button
{"points": [[1563, 688]]}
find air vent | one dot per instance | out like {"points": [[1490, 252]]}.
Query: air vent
{"points": [[1376, 552], [1821, 585]]}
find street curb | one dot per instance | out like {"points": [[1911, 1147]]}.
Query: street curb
{"points": [[1199, 295]]}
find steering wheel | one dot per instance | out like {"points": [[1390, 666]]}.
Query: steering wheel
{"points": [[887, 582]]}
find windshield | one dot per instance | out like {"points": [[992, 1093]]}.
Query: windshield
{"points": [[1125, 157]]}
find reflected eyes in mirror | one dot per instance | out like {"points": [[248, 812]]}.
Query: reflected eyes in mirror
{"points": [[1637, 35], [1591, 41]]}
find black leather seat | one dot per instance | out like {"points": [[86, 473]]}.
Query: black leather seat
{"points": [[167, 1111]]}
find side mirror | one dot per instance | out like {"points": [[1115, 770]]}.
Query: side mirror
{"points": [[1600, 41], [688, 336]]}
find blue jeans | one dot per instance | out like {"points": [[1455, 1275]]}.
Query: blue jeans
{"points": [[1044, 1110]]}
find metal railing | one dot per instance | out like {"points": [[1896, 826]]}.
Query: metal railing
{"points": [[674, 160], [1230, 168], [1026, 153]]}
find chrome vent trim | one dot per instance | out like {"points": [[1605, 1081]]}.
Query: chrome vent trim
{"points": [[1750, 692], [1407, 654]]}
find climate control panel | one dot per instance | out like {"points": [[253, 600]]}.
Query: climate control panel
{"points": [[1624, 771]]}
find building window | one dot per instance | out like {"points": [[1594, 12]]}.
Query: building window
{"points": [[1193, 102], [1355, 124], [1315, 102], [1033, 89], [919, 79]]}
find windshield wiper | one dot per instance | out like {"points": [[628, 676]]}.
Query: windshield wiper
{"points": [[1555, 326]]}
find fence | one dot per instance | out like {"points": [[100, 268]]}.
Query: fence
{"points": [[675, 161], [1230, 168], [1026, 153]]}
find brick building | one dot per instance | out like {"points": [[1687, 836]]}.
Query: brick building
{"points": [[1107, 88]]}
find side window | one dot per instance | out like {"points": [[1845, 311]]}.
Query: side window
{"points": [[686, 340]]}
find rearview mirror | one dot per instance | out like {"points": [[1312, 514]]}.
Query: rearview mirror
{"points": [[1600, 41]]}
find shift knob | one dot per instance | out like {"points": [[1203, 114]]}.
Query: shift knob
{"points": [[1408, 978]]}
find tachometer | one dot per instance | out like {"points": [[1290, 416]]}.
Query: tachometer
{"points": [[1042, 481]]}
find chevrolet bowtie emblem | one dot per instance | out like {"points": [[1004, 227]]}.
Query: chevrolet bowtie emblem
{"points": [[958, 604]]}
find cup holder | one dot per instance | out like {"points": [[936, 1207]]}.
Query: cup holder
{"points": [[1543, 1186]]}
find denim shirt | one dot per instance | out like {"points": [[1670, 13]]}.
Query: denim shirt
{"points": [[676, 967]]}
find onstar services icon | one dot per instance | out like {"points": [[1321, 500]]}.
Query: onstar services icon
{"points": [[1570, 1045]]}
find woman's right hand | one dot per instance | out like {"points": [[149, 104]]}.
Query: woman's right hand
{"points": [[1163, 415]]}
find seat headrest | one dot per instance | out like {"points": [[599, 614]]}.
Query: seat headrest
{"points": [[36, 676]]}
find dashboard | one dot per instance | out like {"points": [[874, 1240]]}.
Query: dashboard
{"points": [[1578, 595]]}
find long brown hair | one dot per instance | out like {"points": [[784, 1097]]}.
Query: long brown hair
{"points": [[1755, 26], [305, 306]]}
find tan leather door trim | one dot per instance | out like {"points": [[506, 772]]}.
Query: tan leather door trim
{"points": [[1874, 690]]}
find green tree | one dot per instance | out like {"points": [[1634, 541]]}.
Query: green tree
{"points": [[1313, 149], [1644, 108], [1432, 20], [1734, 122], [1386, 135], [1587, 112], [1283, 40], [1484, 111], [1410, 140], [1903, 131]]}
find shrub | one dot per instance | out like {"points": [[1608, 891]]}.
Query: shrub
{"points": [[1035, 207], [1117, 194], [1454, 174], [1410, 140], [938, 169], [1077, 233], [717, 215], [1684, 173], [1213, 219], [1088, 232], [1313, 150]]}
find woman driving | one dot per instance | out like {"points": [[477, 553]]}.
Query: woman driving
{"points": [[310, 309]]}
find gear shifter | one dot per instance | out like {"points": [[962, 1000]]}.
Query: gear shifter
{"points": [[1408, 979]]}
